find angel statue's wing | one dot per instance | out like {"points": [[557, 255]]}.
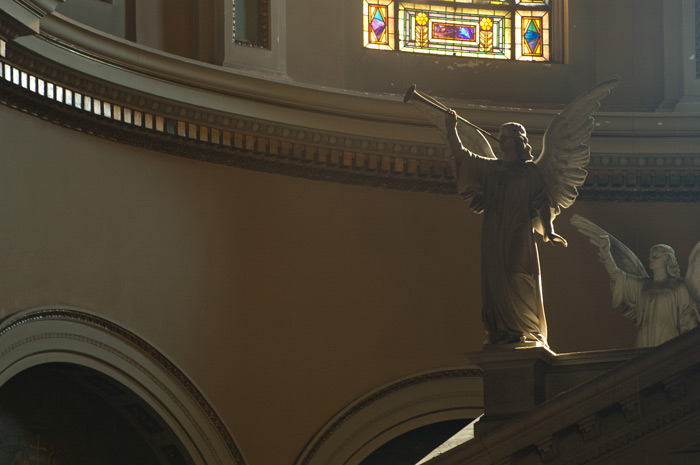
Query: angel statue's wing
{"points": [[624, 258], [472, 139], [692, 276], [564, 153]]}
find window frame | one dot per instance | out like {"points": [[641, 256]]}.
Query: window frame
{"points": [[397, 38]]}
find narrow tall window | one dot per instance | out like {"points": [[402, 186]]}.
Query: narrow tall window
{"points": [[493, 29], [251, 22]]}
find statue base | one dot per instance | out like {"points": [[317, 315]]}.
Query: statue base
{"points": [[514, 380], [514, 346], [519, 377]]}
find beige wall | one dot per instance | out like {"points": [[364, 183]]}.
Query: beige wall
{"points": [[622, 37], [320, 42], [109, 16], [283, 299]]}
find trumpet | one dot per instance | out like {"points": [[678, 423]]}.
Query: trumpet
{"points": [[413, 94]]}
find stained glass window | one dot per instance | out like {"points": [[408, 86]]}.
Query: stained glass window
{"points": [[495, 29]]}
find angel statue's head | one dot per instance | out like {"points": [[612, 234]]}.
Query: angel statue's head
{"points": [[662, 262], [513, 142]]}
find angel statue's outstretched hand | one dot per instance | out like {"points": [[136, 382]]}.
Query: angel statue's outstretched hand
{"points": [[662, 306], [519, 195]]}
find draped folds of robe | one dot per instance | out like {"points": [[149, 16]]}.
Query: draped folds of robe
{"points": [[510, 195], [660, 310]]}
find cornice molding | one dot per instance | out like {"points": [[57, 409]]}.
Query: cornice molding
{"points": [[82, 48], [22, 17], [78, 44], [207, 113], [10, 28]]}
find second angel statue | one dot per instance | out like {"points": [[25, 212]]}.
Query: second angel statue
{"points": [[662, 306]]}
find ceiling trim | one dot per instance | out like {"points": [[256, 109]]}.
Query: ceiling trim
{"points": [[310, 133]]}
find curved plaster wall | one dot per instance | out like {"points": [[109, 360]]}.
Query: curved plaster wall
{"points": [[302, 294], [281, 298]]}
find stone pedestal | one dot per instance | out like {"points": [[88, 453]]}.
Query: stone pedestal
{"points": [[519, 377], [514, 381]]}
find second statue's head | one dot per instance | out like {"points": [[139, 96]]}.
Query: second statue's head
{"points": [[514, 143], [662, 257]]}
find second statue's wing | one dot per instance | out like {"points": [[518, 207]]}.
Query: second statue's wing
{"points": [[564, 151], [692, 276], [624, 258]]}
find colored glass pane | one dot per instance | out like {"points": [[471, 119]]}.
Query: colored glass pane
{"points": [[451, 31], [532, 35], [444, 30], [378, 24], [378, 18], [473, 28]]}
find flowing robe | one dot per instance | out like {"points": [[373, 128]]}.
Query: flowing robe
{"points": [[660, 310], [510, 194]]}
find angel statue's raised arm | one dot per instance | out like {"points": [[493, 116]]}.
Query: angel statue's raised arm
{"points": [[662, 306], [518, 194]]}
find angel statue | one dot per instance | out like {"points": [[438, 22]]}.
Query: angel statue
{"points": [[518, 195], [662, 306]]}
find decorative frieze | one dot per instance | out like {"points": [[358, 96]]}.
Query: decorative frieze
{"points": [[589, 427], [505, 461], [39, 86], [632, 407], [675, 387], [548, 448], [10, 28]]}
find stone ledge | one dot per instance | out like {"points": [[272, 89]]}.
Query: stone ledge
{"points": [[407, 155], [654, 398]]}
